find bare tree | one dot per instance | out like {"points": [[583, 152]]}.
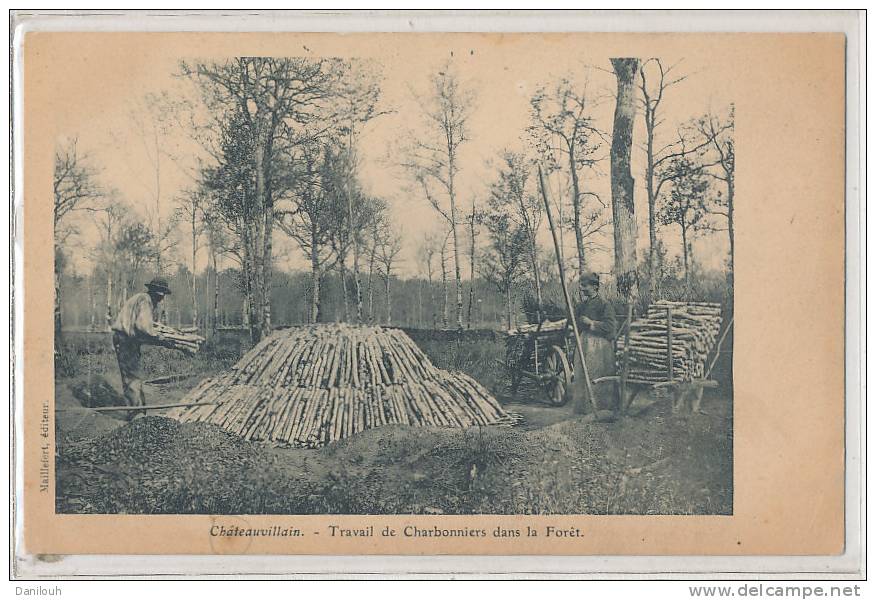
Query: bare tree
{"points": [[217, 242], [190, 209], [110, 227], [472, 220], [75, 188], [563, 125], [503, 262], [374, 233], [433, 159], [685, 205], [511, 194], [387, 256], [312, 223], [445, 298], [622, 183], [426, 251], [358, 95], [654, 80], [719, 153]]}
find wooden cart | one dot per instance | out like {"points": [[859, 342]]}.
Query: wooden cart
{"points": [[543, 353], [686, 393]]}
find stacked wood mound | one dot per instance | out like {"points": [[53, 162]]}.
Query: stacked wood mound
{"points": [[695, 328], [308, 386]]}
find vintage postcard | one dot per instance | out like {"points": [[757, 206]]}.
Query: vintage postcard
{"points": [[433, 293]]}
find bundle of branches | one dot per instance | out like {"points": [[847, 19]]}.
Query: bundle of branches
{"points": [[694, 330], [543, 326], [178, 339], [308, 386]]}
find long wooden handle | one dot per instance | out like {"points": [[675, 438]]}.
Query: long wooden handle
{"points": [[718, 349], [568, 298], [133, 408]]}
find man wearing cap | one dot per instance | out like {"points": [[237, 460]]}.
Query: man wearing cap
{"points": [[133, 327], [598, 326]]}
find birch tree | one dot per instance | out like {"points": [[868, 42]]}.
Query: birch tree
{"points": [[565, 132]]}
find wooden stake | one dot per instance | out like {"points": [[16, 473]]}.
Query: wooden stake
{"points": [[569, 308]]}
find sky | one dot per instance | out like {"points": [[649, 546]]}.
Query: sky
{"points": [[106, 113]]}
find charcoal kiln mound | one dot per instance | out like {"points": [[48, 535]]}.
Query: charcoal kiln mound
{"points": [[307, 386]]}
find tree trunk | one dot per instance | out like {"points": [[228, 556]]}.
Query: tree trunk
{"points": [[388, 300], [653, 278], [533, 257], [576, 213], [453, 220], [371, 285], [432, 299], [457, 271], [109, 295], [91, 301], [315, 275], [357, 283], [730, 230], [215, 288], [622, 183], [444, 315], [508, 306], [342, 268], [685, 255], [471, 267], [194, 266], [267, 269], [60, 358]]}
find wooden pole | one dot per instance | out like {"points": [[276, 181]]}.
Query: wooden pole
{"points": [[669, 343], [718, 349], [135, 408], [625, 369], [569, 309]]}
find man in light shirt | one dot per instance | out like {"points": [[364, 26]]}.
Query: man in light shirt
{"points": [[135, 326]]}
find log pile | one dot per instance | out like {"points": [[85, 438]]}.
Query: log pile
{"points": [[308, 386], [694, 330], [179, 339]]}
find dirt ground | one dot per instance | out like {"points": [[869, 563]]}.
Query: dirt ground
{"points": [[655, 462]]}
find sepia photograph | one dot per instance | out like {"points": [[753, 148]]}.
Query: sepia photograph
{"points": [[469, 275]]}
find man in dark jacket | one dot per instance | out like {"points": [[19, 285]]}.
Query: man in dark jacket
{"points": [[133, 327], [598, 326]]}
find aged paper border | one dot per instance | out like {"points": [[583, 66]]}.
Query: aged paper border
{"points": [[816, 529]]}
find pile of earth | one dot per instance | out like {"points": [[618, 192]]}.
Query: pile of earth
{"points": [[156, 464], [655, 463]]}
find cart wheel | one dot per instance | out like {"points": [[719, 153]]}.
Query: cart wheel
{"points": [[559, 386]]}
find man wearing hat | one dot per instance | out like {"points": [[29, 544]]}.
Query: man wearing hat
{"points": [[598, 326], [133, 327]]}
